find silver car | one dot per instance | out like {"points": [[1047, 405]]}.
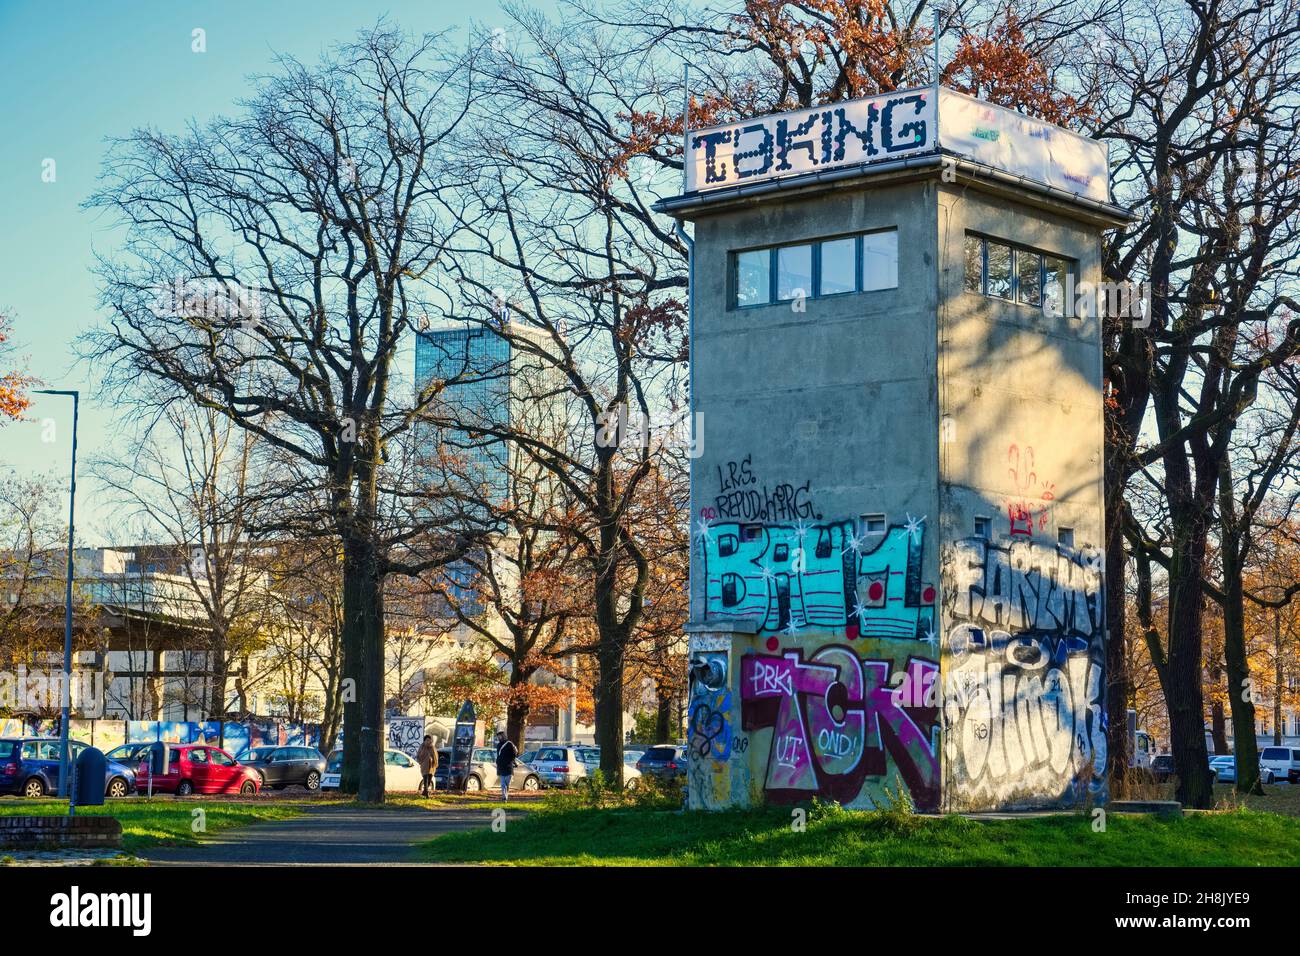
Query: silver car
{"points": [[560, 766], [483, 773]]}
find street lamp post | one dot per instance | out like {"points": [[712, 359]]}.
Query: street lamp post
{"points": [[64, 763]]}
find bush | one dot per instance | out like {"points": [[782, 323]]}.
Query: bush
{"points": [[652, 793], [898, 814], [594, 792], [644, 728]]}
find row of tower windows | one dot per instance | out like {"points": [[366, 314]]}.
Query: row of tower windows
{"points": [[868, 262], [1016, 273]]}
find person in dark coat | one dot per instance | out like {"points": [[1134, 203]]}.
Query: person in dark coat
{"points": [[507, 754]]}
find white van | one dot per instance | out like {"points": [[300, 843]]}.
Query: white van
{"points": [[1283, 762]]}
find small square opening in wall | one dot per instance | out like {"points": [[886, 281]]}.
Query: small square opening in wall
{"points": [[872, 524], [750, 532], [983, 527], [1065, 536]]}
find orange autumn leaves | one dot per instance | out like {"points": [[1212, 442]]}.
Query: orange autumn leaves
{"points": [[13, 384], [1000, 69], [822, 51]]}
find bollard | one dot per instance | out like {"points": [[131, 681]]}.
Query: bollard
{"points": [[88, 779]]}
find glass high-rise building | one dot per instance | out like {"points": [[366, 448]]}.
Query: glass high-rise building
{"points": [[476, 364], [493, 383]]}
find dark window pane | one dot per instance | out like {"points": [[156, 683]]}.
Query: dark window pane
{"points": [[999, 271], [839, 264], [880, 260], [1027, 268], [974, 264], [793, 272], [753, 274]]}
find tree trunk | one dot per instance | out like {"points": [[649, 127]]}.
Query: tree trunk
{"points": [[608, 699], [1277, 676], [1240, 698], [363, 664], [1117, 680], [1218, 718], [1184, 668], [217, 691], [517, 722], [330, 712], [1219, 728], [1234, 544], [664, 718], [518, 707], [611, 646]]}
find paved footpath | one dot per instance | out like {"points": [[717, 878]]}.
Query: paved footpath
{"points": [[326, 835]]}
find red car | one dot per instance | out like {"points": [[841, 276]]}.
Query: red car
{"points": [[193, 768]]}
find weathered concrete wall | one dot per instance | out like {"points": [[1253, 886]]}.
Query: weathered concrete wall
{"points": [[1023, 623], [931, 406], [810, 420]]}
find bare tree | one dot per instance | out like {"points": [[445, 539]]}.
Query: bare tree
{"points": [[1203, 109], [33, 547], [273, 267], [561, 259], [187, 481]]}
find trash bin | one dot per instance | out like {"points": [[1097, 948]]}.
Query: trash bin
{"points": [[92, 770]]}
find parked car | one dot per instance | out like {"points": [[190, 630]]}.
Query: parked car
{"points": [[184, 769], [560, 766], [663, 762], [590, 759], [631, 775], [1224, 768], [281, 767], [401, 772], [1282, 762], [30, 766], [1162, 766], [483, 772]]}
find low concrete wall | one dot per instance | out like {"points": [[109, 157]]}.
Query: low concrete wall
{"points": [[36, 833]]}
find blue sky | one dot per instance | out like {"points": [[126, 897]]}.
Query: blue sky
{"points": [[77, 72]]}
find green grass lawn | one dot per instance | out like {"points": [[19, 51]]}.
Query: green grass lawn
{"points": [[846, 838], [1278, 798], [162, 822]]}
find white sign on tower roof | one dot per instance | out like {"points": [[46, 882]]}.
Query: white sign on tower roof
{"points": [[892, 126]]}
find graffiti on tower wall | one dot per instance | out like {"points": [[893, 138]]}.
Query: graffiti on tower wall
{"points": [[834, 718], [842, 700], [1024, 716], [821, 575], [709, 739], [1029, 506]]}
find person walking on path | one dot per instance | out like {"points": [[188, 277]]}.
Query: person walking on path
{"points": [[427, 758], [506, 756]]}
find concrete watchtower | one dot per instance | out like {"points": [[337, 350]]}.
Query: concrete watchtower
{"points": [[897, 512]]}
